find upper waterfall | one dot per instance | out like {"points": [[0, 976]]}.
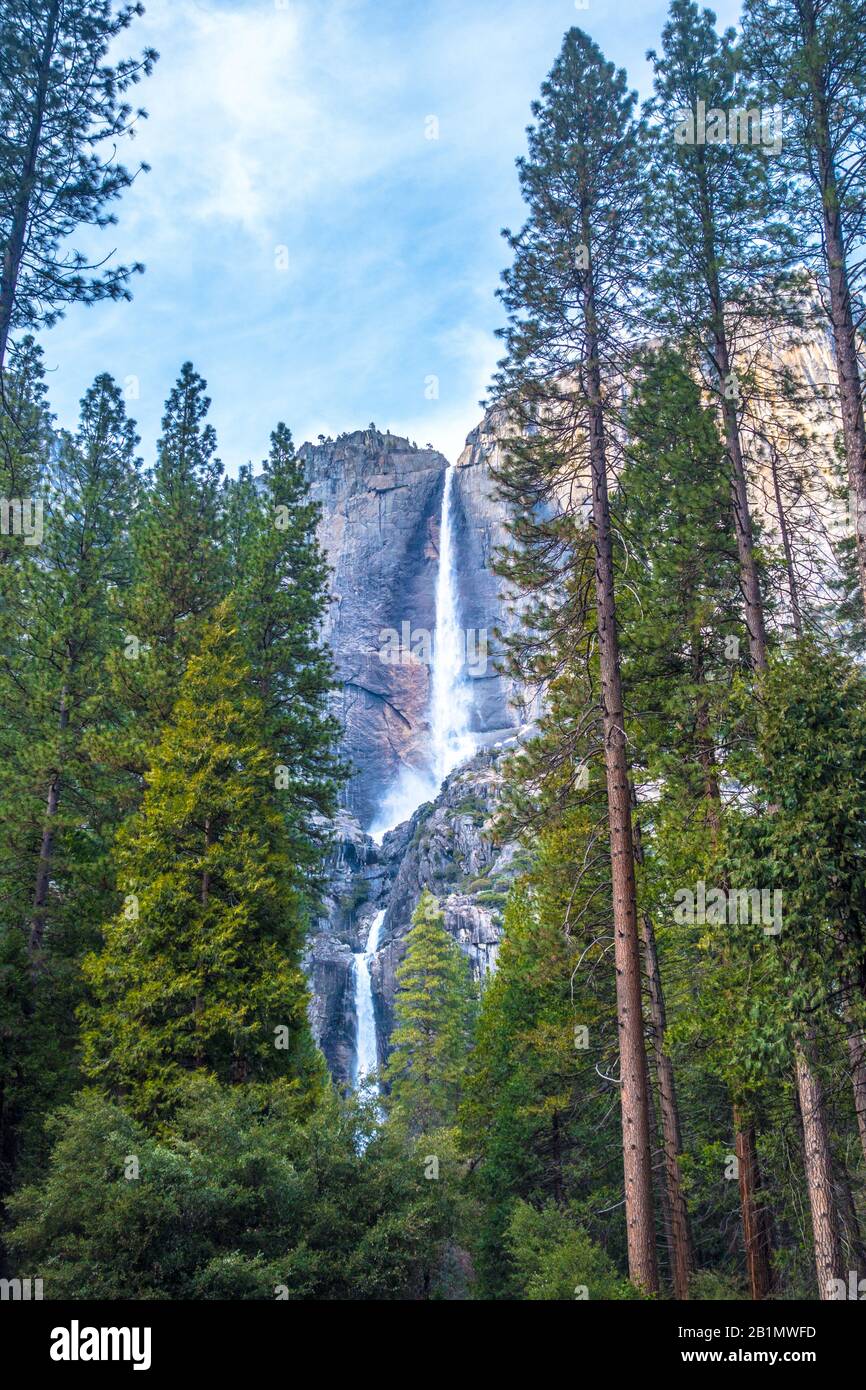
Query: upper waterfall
{"points": [[451, 739]]}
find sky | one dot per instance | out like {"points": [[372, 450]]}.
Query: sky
{"points": [[321, 226]]}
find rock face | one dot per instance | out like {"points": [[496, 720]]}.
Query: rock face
{"points": [[381, 501], [480, 531], [446, 847]]}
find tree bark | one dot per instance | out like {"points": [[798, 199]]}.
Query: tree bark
{"points": [[819, 1172], [841, 312], [14, 249], [755, 1225], [853, 1250], [793, 590], [750, 584], [857, 1054], [634, 1096], [46, 848], [682, 1258]]}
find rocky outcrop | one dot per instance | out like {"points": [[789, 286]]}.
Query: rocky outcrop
{"points": [[447, 847], [381, 498]]}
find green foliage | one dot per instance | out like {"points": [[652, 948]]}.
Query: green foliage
{"points": [[280, 581], [555, 1259], [178, 572], [201, 967], [240, 1198], [434, 1011], [58, 803], [63, 114]]}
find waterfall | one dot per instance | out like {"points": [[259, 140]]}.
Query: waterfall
{"points": [[451, 743], [451, 738], [366, 1051]]}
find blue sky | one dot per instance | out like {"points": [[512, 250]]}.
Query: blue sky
{"points": [[315, 254]]}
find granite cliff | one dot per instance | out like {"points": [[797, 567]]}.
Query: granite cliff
{"points": [[381, 501]]}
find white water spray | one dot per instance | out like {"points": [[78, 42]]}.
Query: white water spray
{"points": [[366, 1050]]}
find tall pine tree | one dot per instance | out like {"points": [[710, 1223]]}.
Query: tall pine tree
{"points": [[62, 113], [200, 969]]}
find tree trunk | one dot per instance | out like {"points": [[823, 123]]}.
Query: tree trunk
{"points": [[841, 313], [682, 1259], [850, 391], [46, 849], [750, 585], [14, 249], [857, 1053], [819, 1173], [634, 1097], [755, 1224], [853, 1249], [786, 545]]}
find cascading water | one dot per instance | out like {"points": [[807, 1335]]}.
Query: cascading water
{"points": [[451, 743], [366, 1050], [451, 738]]}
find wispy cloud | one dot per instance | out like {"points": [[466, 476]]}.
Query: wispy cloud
{"points": [[308, 244]]}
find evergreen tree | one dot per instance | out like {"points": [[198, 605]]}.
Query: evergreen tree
{"points": [[806, 57], [59, 804], [62, 113], [717, 244], [178, 570], [803, 833], [26, 439], [433, 1016], [570, 295], [535, 1117], [280, 581], [242, 1197], [201, 967]]}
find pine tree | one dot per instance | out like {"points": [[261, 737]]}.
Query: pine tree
{"points": [[178, 570], [280, 580], [570, 296], [806, 57], [200, 969], [433, 1016], [679, 620], [803, 831], [534, 1118], [25, 435], [59, 804], [62, 113], [719, 249]]}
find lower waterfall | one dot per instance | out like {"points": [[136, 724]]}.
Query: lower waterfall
{"points": [[366, 1050]]}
